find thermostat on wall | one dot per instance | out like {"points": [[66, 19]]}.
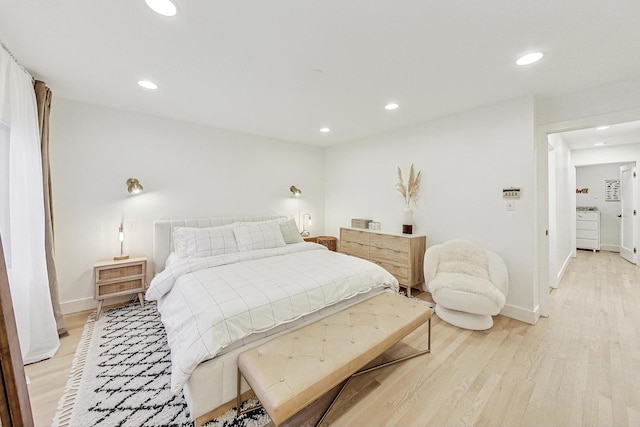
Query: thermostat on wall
{"points": [[511, 193]]}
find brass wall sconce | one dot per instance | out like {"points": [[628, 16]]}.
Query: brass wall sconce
{"points": [[296, 192], [134, 186]]}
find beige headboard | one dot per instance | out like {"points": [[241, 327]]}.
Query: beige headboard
{"points": [[162, 233]]}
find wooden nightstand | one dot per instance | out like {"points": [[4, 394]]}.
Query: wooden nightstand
{"points": [[330, 242], [116, 278]]}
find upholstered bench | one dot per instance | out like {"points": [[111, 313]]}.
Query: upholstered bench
{"points": [[293, 370]]}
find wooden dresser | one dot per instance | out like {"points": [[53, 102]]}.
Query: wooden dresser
{"points": [[400, 254]]}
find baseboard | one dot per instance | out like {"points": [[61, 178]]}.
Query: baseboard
{"points": [[610, 248], [85, 304], [521, 314], [564, 268], [78, 305]]}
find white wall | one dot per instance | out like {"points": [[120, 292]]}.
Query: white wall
{"points": [[466, 161], [562, 219], [593, 177], [619, 101], [187, 170]]}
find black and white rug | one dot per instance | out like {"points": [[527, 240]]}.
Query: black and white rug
{"points": [[121, 373]]}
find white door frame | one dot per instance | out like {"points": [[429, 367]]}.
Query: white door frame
{"points": [[541, 227], [628, 207]]}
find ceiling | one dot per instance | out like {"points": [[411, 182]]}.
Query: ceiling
{"points": [[283, 69], [615, 134]]}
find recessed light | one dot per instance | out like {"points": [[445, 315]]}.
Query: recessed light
{"points": [[391, 106], [147, 84], [598, 144], [163, 7], [602, 127], [324, 130], [530, 58]]}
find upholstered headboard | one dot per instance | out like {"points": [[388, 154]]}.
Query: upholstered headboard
{"points": [[163, 236]]}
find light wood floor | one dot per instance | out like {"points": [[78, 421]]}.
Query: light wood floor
{"points": [[581, 366]]}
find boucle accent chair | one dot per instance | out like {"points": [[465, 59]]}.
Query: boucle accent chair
{"points": [[468, 283]]}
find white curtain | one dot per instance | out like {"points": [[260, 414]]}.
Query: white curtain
{"points": [[27, 270]]}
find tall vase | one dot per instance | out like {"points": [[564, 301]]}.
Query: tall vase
{"points": [[407, 221]]}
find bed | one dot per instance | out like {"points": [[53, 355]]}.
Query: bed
{"points": [[224, 285]]}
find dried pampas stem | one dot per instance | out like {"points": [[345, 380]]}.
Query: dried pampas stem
{"points": [[410, 191]]}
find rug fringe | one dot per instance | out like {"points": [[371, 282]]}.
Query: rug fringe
{"points": [[66, 402]]}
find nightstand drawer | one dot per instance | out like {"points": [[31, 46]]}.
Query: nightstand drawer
{"points": [[115, 288], [106, 274]]}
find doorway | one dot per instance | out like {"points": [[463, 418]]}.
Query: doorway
{"points": [[583, 165]]}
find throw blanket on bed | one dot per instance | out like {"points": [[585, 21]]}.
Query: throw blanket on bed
{"points": [[208, 303]]}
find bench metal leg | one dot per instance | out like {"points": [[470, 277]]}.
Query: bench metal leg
{"points": [[374, 368], [239, 399], [363, 371]]}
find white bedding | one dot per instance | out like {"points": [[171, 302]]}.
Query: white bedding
{"points": [[208, 303]]}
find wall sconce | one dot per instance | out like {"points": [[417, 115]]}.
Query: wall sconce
{"points": [[305, 232], [134, 186], [296, 192]]}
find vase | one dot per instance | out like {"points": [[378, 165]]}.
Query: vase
{"points": [[407, 221]]}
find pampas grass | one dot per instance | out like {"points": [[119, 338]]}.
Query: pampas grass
{"points": [[410, 190]]}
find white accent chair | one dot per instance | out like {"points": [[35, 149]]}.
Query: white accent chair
{"points": [[468, 283]]}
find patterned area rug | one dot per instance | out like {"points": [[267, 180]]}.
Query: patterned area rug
{"points": [[121, 373]]}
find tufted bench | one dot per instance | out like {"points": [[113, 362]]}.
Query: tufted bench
{"points": [[293, 370]]}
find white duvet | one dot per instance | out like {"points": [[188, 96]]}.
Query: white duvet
{"points": [[208, 303]]}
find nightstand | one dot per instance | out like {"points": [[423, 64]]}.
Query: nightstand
{"points": [[330, 242], [116, 278]]}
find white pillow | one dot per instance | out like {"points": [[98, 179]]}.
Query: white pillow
{"points": [[290, 232], [191, 242], [262, 235]]}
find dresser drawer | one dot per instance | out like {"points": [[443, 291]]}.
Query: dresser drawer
{"points": [[394, 243], [587, 234], [587, 244], [388, 256], [400, 273], [587, 225], [355, 249], [588, 216], [354, 236]]}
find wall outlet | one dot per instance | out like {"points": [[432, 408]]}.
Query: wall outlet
{"points": [[511, 205]]}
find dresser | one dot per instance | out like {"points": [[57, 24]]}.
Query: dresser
{"points": [[402, 255], [588, 230]]}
